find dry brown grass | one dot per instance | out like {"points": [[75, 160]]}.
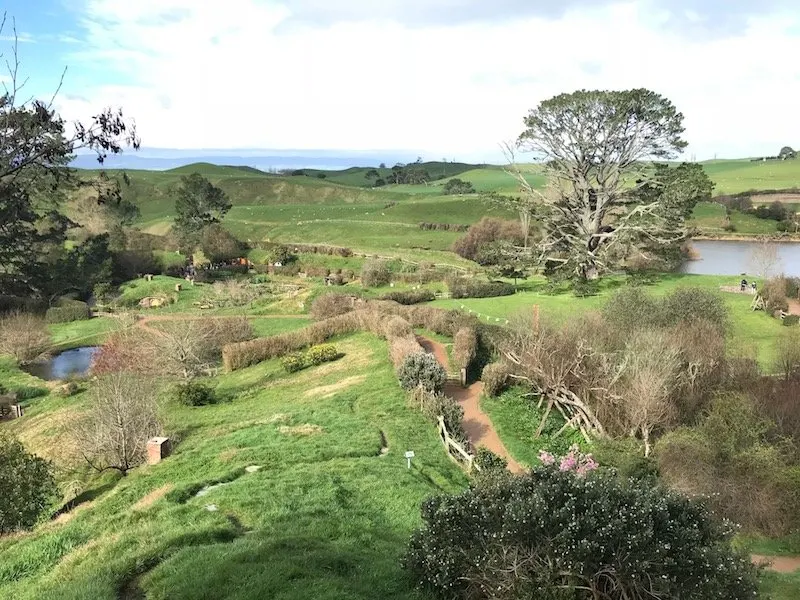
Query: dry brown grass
{"points": [[301, 430], [327, 391], [149, 499]]}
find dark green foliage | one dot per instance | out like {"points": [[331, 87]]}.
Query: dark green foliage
{"points": [[30, 392], [219, 244], [554, 535], [791, 320], [443, 227], [68, 311], [465, 288], [435, 405], [316, 355], [375, 273], [193, 393], [458, 186], [422, 370], [198, 204], [409, 297], [775, 211], [489, 461], [27, 486], [625, 455], [583, 288]]}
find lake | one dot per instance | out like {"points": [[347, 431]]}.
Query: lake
{"points": [[735, 257], [70, 362]]}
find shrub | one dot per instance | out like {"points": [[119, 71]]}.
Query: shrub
{"points": [[507, 540], [68, 311], [401, 348], [465, 347], [494, 378], [375, 273], [733, 458], [409, 297], [30, 392], [434, 405], [458, 186], [24, 336], [633, 308], [315, 271], [27, 486], [625, 455], [422, 370], [322, 249], [443, 227], [219, 244], [774, 293], [68, 389], [195, 394], [484, 232], [397, 327], [316, 355], [293, 362], [791, 320], [331, 305], [489, 461], [464, 288]]}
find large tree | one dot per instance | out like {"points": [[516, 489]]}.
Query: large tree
{"points": [[27, 486], [198, 204], [36, 147], [597, 149]]}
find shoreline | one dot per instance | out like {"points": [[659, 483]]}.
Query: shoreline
{"points": [[783, 239]]}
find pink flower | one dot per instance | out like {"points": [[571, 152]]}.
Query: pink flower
{"points": [[546, 458], [568, 462]]}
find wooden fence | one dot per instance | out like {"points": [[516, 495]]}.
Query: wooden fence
{"points": [[455, 450]]}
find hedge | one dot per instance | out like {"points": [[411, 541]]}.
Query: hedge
{"points": [[321, 249], [68, 311], [409, 297], [479, 289]]}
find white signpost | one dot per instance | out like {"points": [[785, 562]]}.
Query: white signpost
{"points": [[409, 456]]}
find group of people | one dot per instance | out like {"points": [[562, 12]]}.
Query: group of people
{"points": [[743, 285]]}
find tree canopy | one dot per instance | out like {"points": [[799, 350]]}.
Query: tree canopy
{"points": [[198, 204], [27, 486], [598, 148]]}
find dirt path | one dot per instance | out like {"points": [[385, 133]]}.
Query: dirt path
{"points": [[794, 307], [779, 564], [477, 424]]}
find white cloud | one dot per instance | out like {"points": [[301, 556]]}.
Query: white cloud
{"points": [[226, 75]]}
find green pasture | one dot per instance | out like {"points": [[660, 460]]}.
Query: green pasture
{"points": [[325, 516]]}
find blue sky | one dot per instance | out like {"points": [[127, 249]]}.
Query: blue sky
{"points": [[439, 77]]}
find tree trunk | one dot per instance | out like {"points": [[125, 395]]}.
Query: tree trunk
{"points": [[646, 439]]}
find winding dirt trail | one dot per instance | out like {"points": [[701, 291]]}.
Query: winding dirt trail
{"points": [[477, 424]]}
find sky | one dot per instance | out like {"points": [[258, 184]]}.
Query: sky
{"points": [[441, 78]]}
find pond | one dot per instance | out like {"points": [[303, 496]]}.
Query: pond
{"points": [[722, 257], [70, 362]]}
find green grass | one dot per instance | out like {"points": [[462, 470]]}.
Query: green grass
{"points": [[733, 176], [82, 333], [265, 327], [326, 517], [751, 332], [780, 586], [517, 419]]}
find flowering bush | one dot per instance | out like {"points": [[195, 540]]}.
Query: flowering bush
{"points": [[574, 461], [554, 534]]}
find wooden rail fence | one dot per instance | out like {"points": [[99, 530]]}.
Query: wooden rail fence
{"points": [[455, 450]]}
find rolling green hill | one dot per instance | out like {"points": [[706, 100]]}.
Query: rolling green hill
{"points": [[339, 209]]}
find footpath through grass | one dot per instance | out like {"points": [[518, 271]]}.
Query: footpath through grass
{"points": [[326, 516]]}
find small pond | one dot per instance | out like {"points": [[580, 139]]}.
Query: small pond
{"points": [[719, 257], [70, 362]]}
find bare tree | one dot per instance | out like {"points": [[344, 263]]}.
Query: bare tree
{"points": [[122, 416], [787, 354], [23, 335], [764, 258], [596, 148], [649, 383]]}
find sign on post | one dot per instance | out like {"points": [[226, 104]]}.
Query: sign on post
{"points": [[409, 456]]}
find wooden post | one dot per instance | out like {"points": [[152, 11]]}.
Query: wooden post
{"points": [[148, 277], [178, 287], [17, 411], [463, 376]]}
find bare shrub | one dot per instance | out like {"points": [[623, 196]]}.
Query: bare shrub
{"points": [[787, 354], [465, 347], [397, 327], [495, 378], [401, 348], [122, 417], [774, 294], [486, 231], [764, 258], [331, 305], [733, 460], [24, 336], [375, 273]]}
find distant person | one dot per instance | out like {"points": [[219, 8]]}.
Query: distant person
{"points": [[743, 285], [753, 286]]}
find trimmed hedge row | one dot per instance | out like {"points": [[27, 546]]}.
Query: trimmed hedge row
{"points": [[409, 297], [316, 355], [321, 249], [68, 311], [479, 289]]}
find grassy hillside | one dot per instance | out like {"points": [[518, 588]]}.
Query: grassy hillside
{"points": [[340, 210], [326, 515]]}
